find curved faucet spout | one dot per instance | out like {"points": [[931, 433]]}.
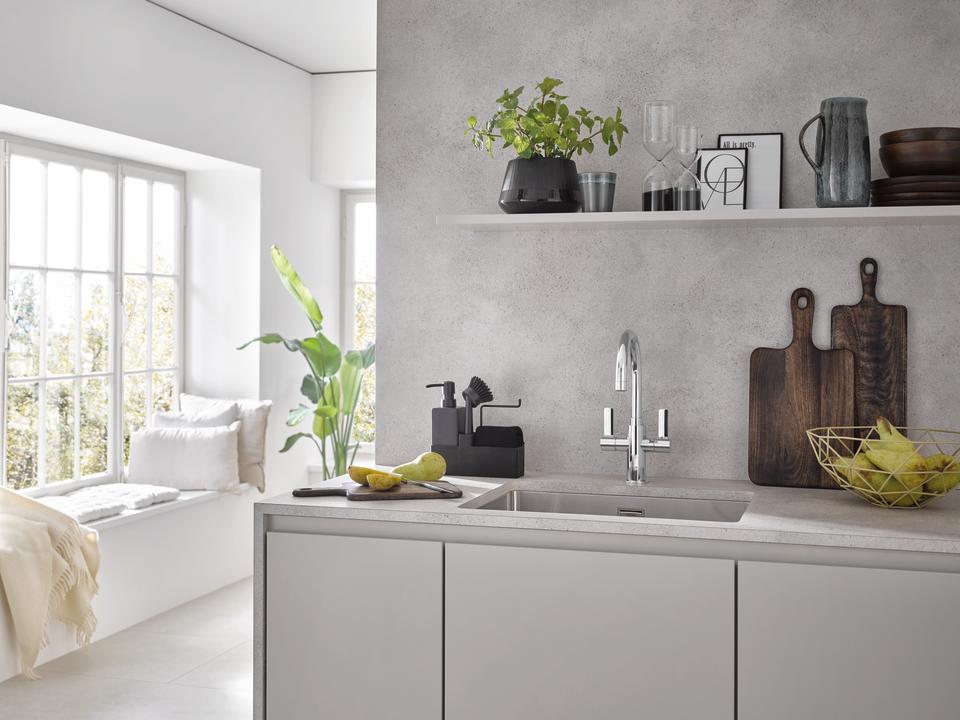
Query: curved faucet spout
{"points": [[628, 359]]}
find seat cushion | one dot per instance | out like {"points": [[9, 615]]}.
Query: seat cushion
{"points": [[134, 496], [83, 510]]}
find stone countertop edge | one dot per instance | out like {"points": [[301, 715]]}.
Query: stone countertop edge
{"points": [[830, 518]]}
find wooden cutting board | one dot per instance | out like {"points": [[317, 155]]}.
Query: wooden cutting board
{"points": [[877, 335], [792, 390]]}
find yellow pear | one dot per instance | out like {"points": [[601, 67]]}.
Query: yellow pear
{"points": [[900, 463], [890, 439], [860, 472], [428, 467], [383, 480], [359, 474], [947, 469]]}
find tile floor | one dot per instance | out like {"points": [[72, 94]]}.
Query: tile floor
{"points": [[192, 662]]}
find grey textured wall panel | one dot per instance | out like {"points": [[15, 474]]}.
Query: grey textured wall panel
{"points": [[538, 314]]}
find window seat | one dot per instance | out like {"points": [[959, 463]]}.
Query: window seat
{"points": [[155, 559], [187, 499]]}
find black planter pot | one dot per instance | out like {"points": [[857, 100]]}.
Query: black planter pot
{"points": [[540, 185]]}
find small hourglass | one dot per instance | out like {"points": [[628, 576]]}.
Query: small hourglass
{"points": [[686, 189], [659, 119]]}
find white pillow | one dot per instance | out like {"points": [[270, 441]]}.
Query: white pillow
{"points": [[253, 431], [210, 418], [186, 458]]}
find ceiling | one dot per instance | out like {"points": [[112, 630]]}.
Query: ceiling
{"points": [[318, 36]]}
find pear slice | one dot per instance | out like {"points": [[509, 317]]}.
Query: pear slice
{"points": [[359, 474]]}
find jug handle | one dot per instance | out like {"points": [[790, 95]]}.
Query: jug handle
{"points": [[817, 166]]}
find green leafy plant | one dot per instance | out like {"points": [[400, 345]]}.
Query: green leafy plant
{"points": [[546, 127], [332, 385]]}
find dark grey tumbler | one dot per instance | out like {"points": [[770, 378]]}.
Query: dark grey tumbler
{"points": [[598, 189]]}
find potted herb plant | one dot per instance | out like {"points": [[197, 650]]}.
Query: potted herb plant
{"points": [[546, 135]]}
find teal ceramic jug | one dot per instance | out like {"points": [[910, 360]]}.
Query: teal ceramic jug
{"points": [[842, 160]]}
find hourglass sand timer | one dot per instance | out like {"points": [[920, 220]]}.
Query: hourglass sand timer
{"points": [[686, 188], [659, 121]]}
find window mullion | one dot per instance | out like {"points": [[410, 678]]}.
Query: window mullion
{"points": [[78, 316], [117, 389], [148, 354], [5, 320], [42, 315]]}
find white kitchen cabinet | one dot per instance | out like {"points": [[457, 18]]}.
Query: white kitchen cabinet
{"points": [[569, 635], [850, 643], [354, 628]]}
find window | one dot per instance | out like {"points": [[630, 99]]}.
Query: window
{"points": [[91, 350], [359, 326]]}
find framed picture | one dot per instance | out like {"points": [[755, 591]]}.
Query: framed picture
{"points": [[765, 178], [723, 178]]}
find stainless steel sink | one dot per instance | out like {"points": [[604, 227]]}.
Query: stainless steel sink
{"points": [[632, 506]]}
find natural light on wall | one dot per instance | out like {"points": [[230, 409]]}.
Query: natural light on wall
{"points": [[91, 352]]}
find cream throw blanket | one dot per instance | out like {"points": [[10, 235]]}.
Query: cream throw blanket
{"points": [[48, 569]]}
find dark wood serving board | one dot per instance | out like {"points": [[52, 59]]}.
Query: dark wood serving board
{"points": [[794, 389], [877, 335]]}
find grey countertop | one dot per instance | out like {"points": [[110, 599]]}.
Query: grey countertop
{"points": [[832, 518]]}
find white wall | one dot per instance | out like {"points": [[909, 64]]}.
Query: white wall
{"points": [[222, 283], [345, 129], [133, 68]]}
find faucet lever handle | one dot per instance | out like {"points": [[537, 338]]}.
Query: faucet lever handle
{"points": [[608, 421], [663, 428]]}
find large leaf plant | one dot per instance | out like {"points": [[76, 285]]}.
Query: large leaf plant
{"points": [[332, 385], [545, 126]]}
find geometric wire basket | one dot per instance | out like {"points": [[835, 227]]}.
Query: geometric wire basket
{"points": [[910, 480]]}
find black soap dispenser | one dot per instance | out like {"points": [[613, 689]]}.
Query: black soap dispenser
{"points": [[446, 423]]}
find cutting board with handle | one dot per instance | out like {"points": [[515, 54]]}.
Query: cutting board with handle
{"points": [[403, 491], [794, 389], [877, 335]]}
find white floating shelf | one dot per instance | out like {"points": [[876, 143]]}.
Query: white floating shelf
{"points": [[789, 217]]}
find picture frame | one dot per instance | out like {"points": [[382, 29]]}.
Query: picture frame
{"points": [[723, 179], [765, 176]]}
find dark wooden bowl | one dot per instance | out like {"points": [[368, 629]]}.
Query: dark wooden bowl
{"points": [[921, 157], [910, 134]]}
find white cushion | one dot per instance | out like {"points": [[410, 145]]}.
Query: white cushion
{"points": [[253, 431], [83, 510], [186, 458], [132, 495], [211, 418]]}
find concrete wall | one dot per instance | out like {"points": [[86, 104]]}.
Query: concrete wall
{"points": [[136, 69], [538, 314]]}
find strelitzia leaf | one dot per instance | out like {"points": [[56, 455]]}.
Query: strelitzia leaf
{"points": [[310, 389], [292, 440], [297, 415], [291, 280], [322, 355]]}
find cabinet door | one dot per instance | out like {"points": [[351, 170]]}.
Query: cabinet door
{"points": [[569, 635], [353, 628], [851, 643]]}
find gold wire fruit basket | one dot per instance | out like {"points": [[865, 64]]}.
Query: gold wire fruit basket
{"points": [[907, 469]]}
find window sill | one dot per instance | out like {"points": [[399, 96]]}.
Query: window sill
{"points": [[187, 498]]}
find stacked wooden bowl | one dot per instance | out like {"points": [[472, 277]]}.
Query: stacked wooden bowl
{"points": [[923, 165]]}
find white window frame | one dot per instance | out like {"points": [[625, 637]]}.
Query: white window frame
{"points": [[348, 202], [117, 169]]}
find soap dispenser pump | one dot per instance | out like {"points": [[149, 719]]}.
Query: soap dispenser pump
{"points": [[446, 423]]}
